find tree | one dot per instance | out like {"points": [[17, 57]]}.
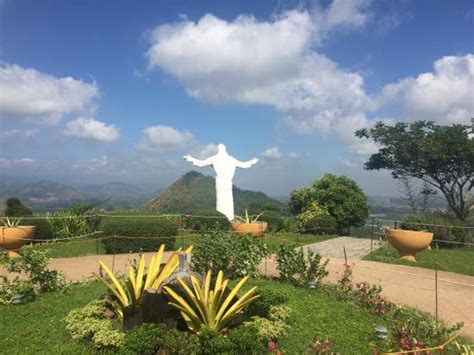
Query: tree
{"points": [[441, 156], [339, 195], [14, 208]]}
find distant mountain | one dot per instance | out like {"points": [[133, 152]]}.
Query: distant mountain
{"points": [[44, 195], [48, 196], [194, 192], [114, 189]]}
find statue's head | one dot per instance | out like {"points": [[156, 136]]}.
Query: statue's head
{"points": [[221, 148]]}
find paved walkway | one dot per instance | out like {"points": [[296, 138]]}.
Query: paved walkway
{"points": [[356, 248]]}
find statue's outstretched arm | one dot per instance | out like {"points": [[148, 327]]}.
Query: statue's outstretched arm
{"points": [[245, 164], [197, 162]]}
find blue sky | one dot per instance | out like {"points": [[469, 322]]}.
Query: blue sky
{"points": [[96, 91]]}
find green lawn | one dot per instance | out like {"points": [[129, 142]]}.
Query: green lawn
{"points": [[90, 246], [456, 260]]}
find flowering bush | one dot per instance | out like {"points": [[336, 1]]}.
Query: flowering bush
{"points": [[364, 293]]}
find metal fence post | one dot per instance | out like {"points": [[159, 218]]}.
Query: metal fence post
{"points": [[436, 290]]}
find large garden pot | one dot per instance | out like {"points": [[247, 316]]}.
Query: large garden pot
{"points": [[13, 238], [408, 242], [257, 229]]}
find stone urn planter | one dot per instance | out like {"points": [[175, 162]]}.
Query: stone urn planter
{"points": [[13, 238], [408, 242], [257, 229]]}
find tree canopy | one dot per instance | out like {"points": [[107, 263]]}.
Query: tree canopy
{"points": [[14, 208], [341, 196], [442, 156]]}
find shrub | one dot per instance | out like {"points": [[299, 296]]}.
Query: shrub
{"points": [[208, 219], [438, 222], [273, 327], [34, 276], [236, 255], [145, 339], [137, 232], [299, 267], [69, 222], [181, 343], [88, 324], [274, 220], [268, 297], [316, 220], [244, 341], [14, 208], [211, 342], [43, 228]]}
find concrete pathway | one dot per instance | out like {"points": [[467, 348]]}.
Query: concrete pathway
{"points": [[356, 248]]}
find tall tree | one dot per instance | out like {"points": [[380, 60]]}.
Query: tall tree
{"points": [[441, 156]]}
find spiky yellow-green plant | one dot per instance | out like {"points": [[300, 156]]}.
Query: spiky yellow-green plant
{"points": [[208, 306], [136, 284]]}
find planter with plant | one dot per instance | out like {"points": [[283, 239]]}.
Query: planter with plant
{"points": [[247, 225], [408, 242], [13, 236]]}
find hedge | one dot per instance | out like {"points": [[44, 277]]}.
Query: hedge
{"points": [[143, 233], [274, 220], [208, 219]]}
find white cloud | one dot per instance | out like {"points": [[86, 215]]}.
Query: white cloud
{"points": [[91, 165], [267, 62], [347, 163], [164, 137], [444, 95], [207, 151], [17, 133], [294, 155], [272, 153], [13, 163], [30, 94], [89, 128]]}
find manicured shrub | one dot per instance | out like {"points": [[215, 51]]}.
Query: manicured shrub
{"points": [[236, 255], [299, 267], [145, 340], [135, 234], [444, 226], [316, 220], [274, 220], [43, 229], [207, 219]]}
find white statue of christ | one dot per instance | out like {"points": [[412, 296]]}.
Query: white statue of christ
{"points": [[225, 166]]}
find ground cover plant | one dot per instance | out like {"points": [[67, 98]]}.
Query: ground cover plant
{"points": [[457, 260]]}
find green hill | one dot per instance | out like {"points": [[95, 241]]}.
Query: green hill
{"points": [[194, 192]]}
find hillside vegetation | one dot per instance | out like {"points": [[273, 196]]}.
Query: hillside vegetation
{"points": [[195, 192]]}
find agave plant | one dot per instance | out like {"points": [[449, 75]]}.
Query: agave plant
{"points": [[137, 282], [208, 307], [11, 223]]}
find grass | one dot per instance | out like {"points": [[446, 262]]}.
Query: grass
{"points": [[38, 327], [90, 246], [459, 260]]}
